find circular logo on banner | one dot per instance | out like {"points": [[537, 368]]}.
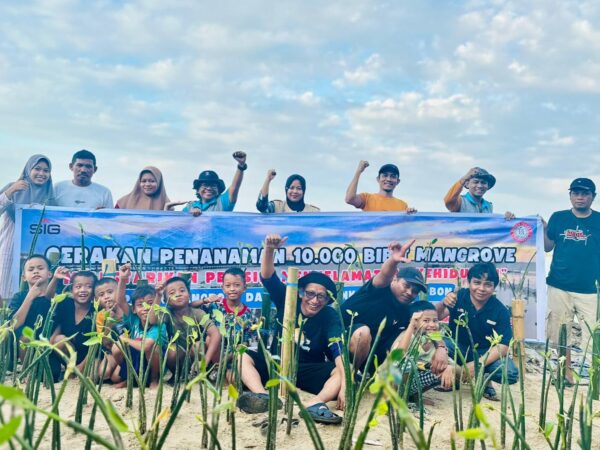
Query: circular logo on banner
{"points": [[521, 232]]}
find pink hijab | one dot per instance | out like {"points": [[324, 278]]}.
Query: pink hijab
{"points": [[136, 199]]}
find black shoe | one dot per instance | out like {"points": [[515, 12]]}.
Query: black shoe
{"points": [[490, 393], [253, 403]]}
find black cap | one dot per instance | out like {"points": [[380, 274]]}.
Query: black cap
{"points": [[389, 168], [319, 278], [413, 276], [583, 184], [208, 176]]}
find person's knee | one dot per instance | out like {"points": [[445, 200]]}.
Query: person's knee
{"points": [[512, 373], [360, 339]]}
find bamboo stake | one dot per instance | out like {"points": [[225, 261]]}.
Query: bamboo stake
{"points": [[518, 322], [289, 323]]}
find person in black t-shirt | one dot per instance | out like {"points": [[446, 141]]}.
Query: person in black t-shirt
{"points": [[574, 235], [387, 296], [320, 369], [484, 314], [74, 316]]}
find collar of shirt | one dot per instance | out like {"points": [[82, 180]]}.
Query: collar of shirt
{"points": [[485, 205]]}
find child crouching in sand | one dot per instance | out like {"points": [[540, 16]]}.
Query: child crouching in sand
{"points": [[424, 324], [177, 297], [143, 337]]}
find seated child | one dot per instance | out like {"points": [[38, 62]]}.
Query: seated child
{"points": [[235, 312], [484, 315], [109, 319], [423, 323], [143, 335], [73, 316], [177, 297], [27, 306]]}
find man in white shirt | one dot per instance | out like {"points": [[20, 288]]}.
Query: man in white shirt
{"points": [[80, 192]]}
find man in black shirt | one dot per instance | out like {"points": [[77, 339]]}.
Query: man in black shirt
{"points": [[483, 314], [386, 296], [574, 235], [320, 368]]}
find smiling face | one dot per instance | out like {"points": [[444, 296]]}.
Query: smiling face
{"points": [[106, 294], [404, 291], [83, 171], [295, 193], [388, 181], [207, 191], [481, 289], [36, 269], [83, 289], [429, 322], [148, 183], [178, 296], [40, 173], [581, 199], [477, 187], [233, 287], [313, 299]]}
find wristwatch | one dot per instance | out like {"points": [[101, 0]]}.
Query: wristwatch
{"points": [[242, 167]]}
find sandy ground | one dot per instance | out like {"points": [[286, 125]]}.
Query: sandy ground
{"points": [[187, 430]]}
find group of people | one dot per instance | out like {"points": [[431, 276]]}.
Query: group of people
{"points": [[573, 235]]}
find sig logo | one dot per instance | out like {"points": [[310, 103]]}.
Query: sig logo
{"points": [[44, 228]]}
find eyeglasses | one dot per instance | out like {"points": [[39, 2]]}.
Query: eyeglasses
{"points": [[312, 294]]}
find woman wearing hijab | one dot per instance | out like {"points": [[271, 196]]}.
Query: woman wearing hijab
{"points": [[148, 193], [34, 186], [295, 187]]}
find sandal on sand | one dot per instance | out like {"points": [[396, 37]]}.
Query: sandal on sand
{"points": [[253, 403], [490, 393], [322, 414]]}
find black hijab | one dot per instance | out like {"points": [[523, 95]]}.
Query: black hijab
{"points": [[299, 205]]}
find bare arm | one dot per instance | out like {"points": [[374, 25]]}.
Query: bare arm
{"points": [[267, 266], [351, 196], [124, 274], [59, 274], [452, 198], [137, 343], [35, 291], [214, 344], [234, 189], [548, 243], [388, 271], [449, 301]]}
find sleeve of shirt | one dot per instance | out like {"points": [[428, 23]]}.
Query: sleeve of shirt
{"points": [[264, 205], [227, 204], [452, 199], [108, 199], [190, 205], [551, 230], [276, 290], [4, 200], [334, 330], [365, 198]]}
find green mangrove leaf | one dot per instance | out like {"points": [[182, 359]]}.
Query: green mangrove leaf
{"points": [[233, 393], [373, 423], [9, 429], [189, 321], [28, 333], [473, 434], [222, 407], [15, 397], [115, 418], [272, 383]]}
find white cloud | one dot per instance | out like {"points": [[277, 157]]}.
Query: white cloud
{"points": [[369, 71]]}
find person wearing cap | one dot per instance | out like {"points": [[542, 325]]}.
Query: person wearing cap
{"points": [[574, 236], [320, 369], [484, 316], [211, 192], [384, 200], [386, 296]]}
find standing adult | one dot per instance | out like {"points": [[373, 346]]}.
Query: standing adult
{"points": [[574, 235], [34, 186], [384, 200], [80, 192], [295, 188], [477, 181], [211, 192], [148, 192]]}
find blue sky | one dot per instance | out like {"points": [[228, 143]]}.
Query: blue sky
{"points": [[308, 87]]}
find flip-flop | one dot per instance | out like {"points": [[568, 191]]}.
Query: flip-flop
{"points": [[320, 413]]}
